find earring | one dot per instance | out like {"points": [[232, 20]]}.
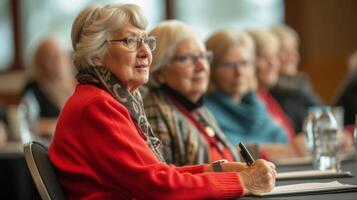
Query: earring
{"points": [[97, 61]]}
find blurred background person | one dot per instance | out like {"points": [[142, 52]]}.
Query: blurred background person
{"points": [[347, 94], [267, 73], [232, 96], [179, 77], [233, 99], [51, 80], [3, 125], [50, 84], [293, 90]]}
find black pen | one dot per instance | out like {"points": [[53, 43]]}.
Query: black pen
{"points": [[245, 154]]}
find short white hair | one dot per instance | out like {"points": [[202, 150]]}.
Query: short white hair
{"points": [[169, 34], [352, 62], [221, 41], [95, 24], [286, 31], [264, 38]]}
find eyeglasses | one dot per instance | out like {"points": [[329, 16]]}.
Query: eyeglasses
{"points": [[233, 65], [133, 43], [184, 58]]}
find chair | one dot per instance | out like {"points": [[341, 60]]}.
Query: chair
{"points": [[42, 171]]}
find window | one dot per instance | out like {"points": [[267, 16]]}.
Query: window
{"points": [[43, 18], [211, 15], [6, 35]]}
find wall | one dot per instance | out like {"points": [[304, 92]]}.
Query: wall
{"points": [[328, 31]]}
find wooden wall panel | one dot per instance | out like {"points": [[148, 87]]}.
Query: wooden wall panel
{"points": [[328, 31]]}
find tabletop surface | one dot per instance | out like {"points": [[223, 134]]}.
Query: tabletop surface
{"points": [[14, 151], [346, 166]]}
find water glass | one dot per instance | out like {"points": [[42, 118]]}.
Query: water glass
{"points": [[338, 112], [326, 155]]}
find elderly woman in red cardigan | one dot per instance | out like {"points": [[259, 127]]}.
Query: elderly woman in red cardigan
{"points": [[104, 147]]}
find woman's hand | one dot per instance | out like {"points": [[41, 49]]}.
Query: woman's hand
{"points": [[258, 178], [345, 141], [228, 167]]}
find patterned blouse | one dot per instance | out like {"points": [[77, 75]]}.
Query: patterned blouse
{"points": [[183, 144]]}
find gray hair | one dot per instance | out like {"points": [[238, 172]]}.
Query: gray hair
{"points": [[169, 33], [264, 38], [95, 24], [220, 42], [285, 31], [45, 46]]}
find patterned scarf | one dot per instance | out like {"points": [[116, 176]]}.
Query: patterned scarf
{"points": [[104, 78]]}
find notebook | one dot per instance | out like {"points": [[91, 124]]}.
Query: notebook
{"points": [[309, 174], [309, 188]]}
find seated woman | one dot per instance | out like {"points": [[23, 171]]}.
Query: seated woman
{"points": [[346, 98], [232, 97], [267, 73], [174, 106], [3, 125], [347, 93], [293, 91], [52, 81], [104, 147]]}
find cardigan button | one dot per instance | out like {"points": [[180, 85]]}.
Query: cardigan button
{"points": [[210, 132]]}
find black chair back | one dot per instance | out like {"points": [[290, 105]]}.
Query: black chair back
{"points": [[42, 171]]}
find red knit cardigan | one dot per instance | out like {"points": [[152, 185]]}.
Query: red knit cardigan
{"points": [[99, 154]]}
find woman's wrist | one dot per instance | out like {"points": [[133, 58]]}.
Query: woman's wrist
{"points": [[244, 179], [215, 166], [234, 166], [226, 167]]}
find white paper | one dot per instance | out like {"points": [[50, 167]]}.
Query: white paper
{"points": [[311, 174], [308, 188]]}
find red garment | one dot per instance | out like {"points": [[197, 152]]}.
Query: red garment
{"points": [[276, 112], [350, 129], [216, 153], [99, 154]]}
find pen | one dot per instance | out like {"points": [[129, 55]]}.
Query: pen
{"points": [[245, 154]]}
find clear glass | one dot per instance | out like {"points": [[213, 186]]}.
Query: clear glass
{"points": [[6, 35], [338, 112], [326, 155], [308, 127]]}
